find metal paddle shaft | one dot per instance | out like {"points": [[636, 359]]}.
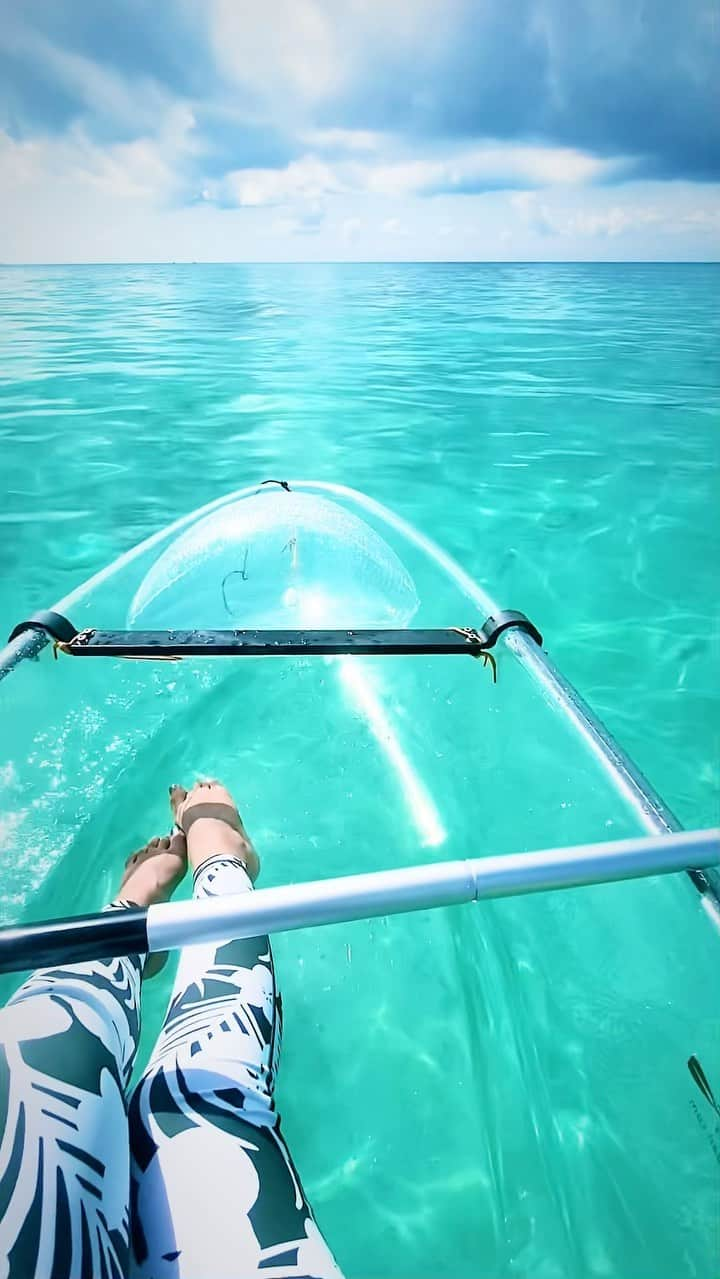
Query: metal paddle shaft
{"points": [[332, 901]]}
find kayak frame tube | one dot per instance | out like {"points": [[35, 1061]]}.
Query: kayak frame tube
{"points": [[651, 810], [170, 925], [26, 645]]}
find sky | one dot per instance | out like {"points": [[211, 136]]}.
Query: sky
{"points": [[294, 130]]}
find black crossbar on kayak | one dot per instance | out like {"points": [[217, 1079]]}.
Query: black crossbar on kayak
{"points": [[454, 640], [260, 643]]}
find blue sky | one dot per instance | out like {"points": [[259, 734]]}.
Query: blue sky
{"points": [[359, 129]]}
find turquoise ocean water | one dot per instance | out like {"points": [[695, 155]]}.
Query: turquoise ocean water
{"points": [[555, 428]]}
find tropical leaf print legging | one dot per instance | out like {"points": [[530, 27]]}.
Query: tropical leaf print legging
{"points": [[205, 1187]]}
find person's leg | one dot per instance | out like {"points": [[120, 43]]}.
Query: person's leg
{"points": [[215, 1193], [67, 1043]]}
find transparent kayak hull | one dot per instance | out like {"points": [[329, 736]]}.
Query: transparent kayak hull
{"points": [[484, 1090]]}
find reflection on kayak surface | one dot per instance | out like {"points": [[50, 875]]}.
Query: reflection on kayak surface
{"points": [[489, 1090]]}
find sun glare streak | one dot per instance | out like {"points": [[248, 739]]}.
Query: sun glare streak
{"points": [[420, 806]]}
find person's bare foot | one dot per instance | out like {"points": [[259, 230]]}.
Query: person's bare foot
{"points": [[208, 815], [153, 873]]}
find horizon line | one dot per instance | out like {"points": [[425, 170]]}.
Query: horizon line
{"points": [[371, 262]]}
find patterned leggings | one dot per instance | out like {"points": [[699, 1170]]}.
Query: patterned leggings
{"points": [[205, 1187]]}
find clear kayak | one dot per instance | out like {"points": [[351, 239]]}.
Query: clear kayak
{"points": [[517, 1086]]}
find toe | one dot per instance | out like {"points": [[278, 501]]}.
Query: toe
{"points": [[177, 795], [177, 844]]}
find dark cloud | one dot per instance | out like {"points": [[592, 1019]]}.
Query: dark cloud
{"points": [[159, 52], [29, 102], [615, 77], [641, 80], [147, 45], [638, 78], [230, 142], [163, 41]]}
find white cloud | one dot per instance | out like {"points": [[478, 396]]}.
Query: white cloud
{"points": [[148, 167], [612, 221], [350, 230], [292, 43], [403, 178], [490, 165], [299, 53], [306, 179]]}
